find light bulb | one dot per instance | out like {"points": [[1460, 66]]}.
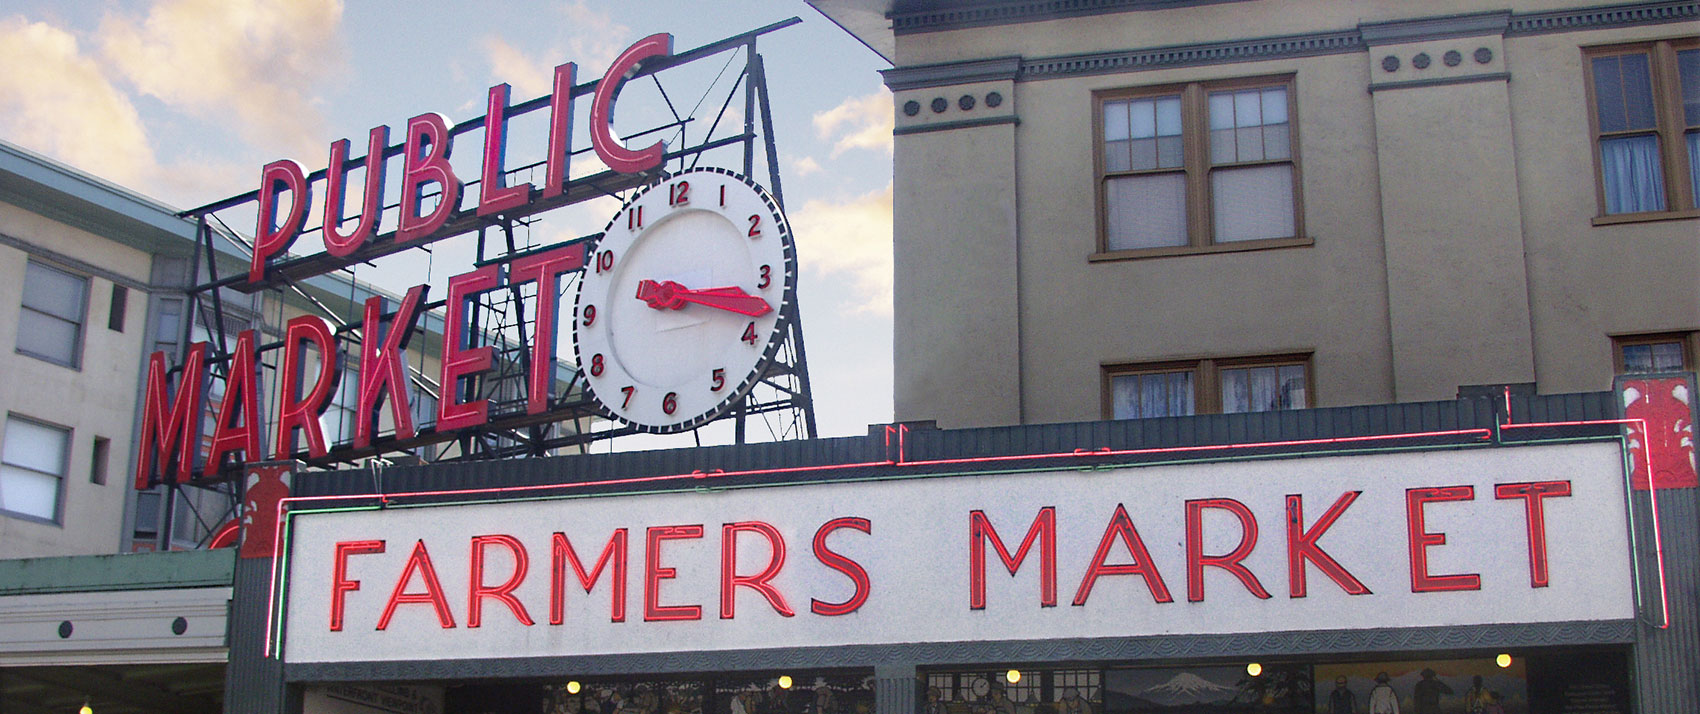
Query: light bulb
{"points": [[1012, 676], [1254, 669], [784, 681], [1503, 660], [572, 687]]}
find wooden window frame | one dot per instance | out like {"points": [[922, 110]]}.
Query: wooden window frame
{"points": [[1206, 377], [1680, 201], [1690, 341], [1196, 166]]}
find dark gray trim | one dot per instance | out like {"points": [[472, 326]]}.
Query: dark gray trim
{"points": [[1438, 81], [86, 268], [1435, 28], [1539, 23], [1309, 44], [940, 75], [1005, 13], [1306, 45], [1495, 638], [958, 124]]}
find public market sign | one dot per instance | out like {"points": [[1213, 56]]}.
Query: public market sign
{"points": [[1389, 540], [170, 441]]}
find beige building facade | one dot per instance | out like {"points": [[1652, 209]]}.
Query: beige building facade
{"points": [[1151, 208]]}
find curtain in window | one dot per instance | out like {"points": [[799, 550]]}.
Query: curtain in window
{"points": [[1630, 170], [1694, 163]]}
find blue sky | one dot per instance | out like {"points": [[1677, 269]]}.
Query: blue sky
{"points": [[185, 100]]}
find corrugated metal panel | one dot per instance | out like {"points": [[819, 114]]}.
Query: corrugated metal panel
{"points": [[1665, 673]]}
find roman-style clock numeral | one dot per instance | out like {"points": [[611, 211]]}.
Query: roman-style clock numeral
{"points": [[629, 390], [679, 194], [718, 379], [634, 218], [723, 194]]}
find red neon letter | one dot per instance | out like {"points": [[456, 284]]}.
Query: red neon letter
{"points": [[1301, 546], [1122, 527], [1196, 560], [1421, 539], [420, 561], [653, 574], [503, 592], [340, 584], [303, 413], [546, 269], [1043, 530], [613, 557], [458, 361], [381, 373], [858, 575], [560, 131], [176, 430], [241, 399], [426, 160], [1535, 517], [270, 238], [494, 195], [608, 148], [371, 202], [760, 582]]}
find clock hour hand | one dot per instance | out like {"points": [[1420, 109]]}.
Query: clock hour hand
{"points": [[669, 295]]}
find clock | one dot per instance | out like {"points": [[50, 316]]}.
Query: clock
{"points": [[683, 300]]}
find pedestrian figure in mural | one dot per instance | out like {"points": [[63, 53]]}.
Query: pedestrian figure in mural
{"points": [[1342, 700], [1001, 703], [824, 703], [1476, 697], [1493, 705], [934, 703], [1073, 703], [1428, 692], [1382, 699]]}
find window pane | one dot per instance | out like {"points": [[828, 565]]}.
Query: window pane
{"points": [[1667, 356], [1253, 203], [1145, 211], [1637, 358], [47, 337], [1249, 125], [1143, 119], [1275, 105], [1143, 396], [35, 446], [1169, 116], [1221, 110], [54, 292], [1277, 141], [1630, 170], [29, 493], [1293, 387], [1236, 391], [1180, 394], [1694, 161], [1115, 121], [1623, 93], [1688, 72]]}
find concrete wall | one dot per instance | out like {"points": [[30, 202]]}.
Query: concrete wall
{"points": [[1447, 215]]}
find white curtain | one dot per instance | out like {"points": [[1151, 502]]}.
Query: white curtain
{"points": [[1633, 180]]}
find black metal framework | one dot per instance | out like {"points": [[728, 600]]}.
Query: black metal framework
{"points": [[781, 400]]}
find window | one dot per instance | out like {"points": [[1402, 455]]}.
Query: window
{"points": [[1207, 386], [32, 466], [98, 460], [1664, 352], [1185, 168], [1646, 121], [115, 312], [50, 325]]}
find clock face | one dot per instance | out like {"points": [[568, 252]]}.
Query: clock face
{"points": [[681, 305]]}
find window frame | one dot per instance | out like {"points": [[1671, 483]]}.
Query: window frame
{"points": [[1690, 341], [1669, 127], [81, 322], [1206, 378], [1196, 167], [58, 518]]}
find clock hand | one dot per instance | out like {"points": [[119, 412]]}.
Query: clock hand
{"points": [[669, 295]]}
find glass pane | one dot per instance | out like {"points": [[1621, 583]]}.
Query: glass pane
{"points": [[1124, 397], [1667, 356], [1249, 141], [1264, 395], [1222, 146], [29, 493], [1115, 121], [1115, 156], [1144, 153], [47, 337], [1638, 93], [1252, 203], [1277, 141], [1275, 105], [1293, 387], [147, 512], [1630, 171], [1694, 161], [35, 446], [1221, 111], [1236, 391], [1180, 394], [1637, 358], [54, 292], [1608, 93], [1169, 152], [1146, 211], [1688, 72], [1143, 119], [1248, 110], [1153, 395], [1169, 116]]}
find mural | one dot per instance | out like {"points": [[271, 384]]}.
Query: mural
{"points": [[1208, 690], [1461, 686]]}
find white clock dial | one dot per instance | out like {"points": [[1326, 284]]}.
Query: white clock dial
{"points": [[682, 303]]}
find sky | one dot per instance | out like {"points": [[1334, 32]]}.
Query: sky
{"points": [[185, 100]]}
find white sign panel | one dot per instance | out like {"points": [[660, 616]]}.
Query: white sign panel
{"points": [[1411, 539]]}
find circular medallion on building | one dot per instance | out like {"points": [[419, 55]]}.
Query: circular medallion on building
{"points": [[1421, 61], [911, 108], [1452, 58], [1390, 64], [682, 302], [1483, 55], [993, 99], [966, 102], [939, 105]]}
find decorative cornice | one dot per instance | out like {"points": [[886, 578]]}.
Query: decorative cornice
{"points": [[1438, 81], [1265, 48], [959, 124], [1435, 28], [1537, 23], [1323, 43], [941, 75], [903, 23], [1121, 650]]}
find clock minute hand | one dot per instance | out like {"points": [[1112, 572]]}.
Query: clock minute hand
{"points": [[670, 295]]}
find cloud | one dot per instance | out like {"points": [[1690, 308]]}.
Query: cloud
{"points": [[65, 106], [858, 123], [850, 239], [805, 165], [530, 77], [247, 63], [596, 38]]}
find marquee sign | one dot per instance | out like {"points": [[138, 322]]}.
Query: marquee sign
{"points": [[758, 264], [1388, 540]]}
